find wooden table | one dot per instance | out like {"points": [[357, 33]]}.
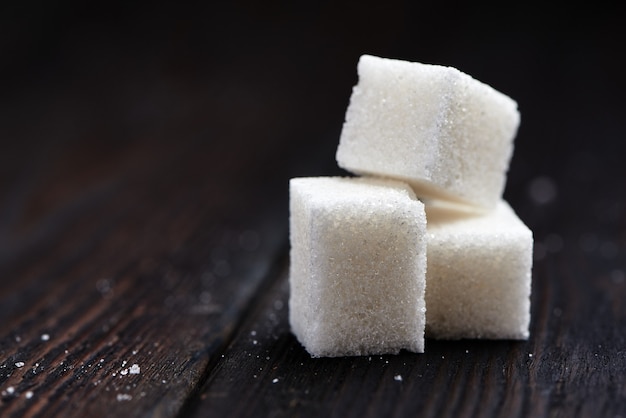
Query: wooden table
{"points": [[144, 223]]}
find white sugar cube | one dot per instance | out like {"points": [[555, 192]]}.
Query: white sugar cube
{"points": [[447, 134], [478, 274], [358, 265]]}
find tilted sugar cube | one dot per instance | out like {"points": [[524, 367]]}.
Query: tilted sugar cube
{"points": [[358, 265], [447, 134], [479, 274]]}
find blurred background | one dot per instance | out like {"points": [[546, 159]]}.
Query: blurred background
{"points": [[269, 83]]}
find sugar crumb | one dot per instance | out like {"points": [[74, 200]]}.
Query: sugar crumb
{"points": [[19, 364], [45, 337], [124, 397], [135, 369], [275, 380], [398, 378], [29, 394]]}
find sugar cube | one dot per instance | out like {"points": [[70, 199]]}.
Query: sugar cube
{"points": [[358, 266], [447, 134], [478, 274]]}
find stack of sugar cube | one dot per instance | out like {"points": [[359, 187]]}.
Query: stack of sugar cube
{"points": [[420, 242]]}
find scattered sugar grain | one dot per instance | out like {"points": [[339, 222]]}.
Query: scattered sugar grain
{"points": [[124, 397], [19, 364], [275, 380], [135, 369], [45, 337], [29, 394], [398, 378], [103, 286], [10, 390]]}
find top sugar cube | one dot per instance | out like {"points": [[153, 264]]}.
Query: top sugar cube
{"points": [[447, 134]]}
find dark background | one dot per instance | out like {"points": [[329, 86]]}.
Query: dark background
{"points": [[286, 70], [277, 77], [154, 119]]}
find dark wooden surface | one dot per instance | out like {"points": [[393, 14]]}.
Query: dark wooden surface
{"points": [[146, 151]]}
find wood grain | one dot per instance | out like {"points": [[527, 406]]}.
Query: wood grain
{"points": [[573, 364], [145, 152], [109, 284]]}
